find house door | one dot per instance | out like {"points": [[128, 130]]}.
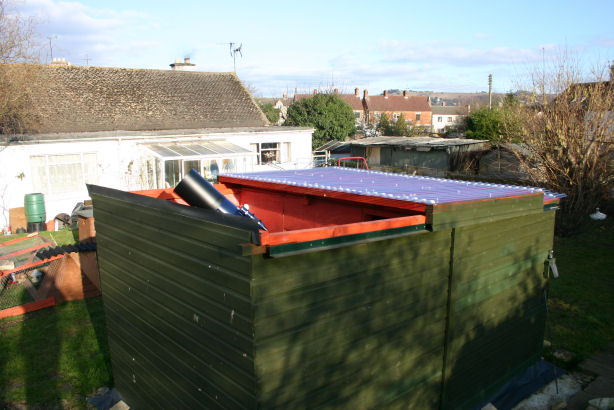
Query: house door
{"points": [[373, 156]]}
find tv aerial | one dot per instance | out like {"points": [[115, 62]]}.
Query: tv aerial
{"points": [[233, 53]]}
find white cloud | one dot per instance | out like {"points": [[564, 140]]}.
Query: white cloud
{"points": [[75, 29], [454, 54]]}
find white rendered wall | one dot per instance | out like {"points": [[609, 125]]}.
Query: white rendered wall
{"points": [[121, 163]]}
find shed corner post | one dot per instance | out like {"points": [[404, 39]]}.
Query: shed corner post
{"points": [[449, 323]]}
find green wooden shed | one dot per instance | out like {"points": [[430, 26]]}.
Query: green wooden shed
{"points": [[368, 290]]}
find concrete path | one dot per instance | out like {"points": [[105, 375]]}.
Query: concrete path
{"points": [[602, 366]]}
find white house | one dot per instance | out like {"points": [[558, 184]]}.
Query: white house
{"points": [[139, 129], [447, 117]]}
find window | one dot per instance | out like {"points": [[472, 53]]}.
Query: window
{"points": [[418, 115], [189, 165], [377, 115], [439, 118], [357, 115], [59, 174], [228, 165], [172, 173], [269, 152], [211, 169], [449, 119]]}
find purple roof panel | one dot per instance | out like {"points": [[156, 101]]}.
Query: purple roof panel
{"points": [[411, 188]]}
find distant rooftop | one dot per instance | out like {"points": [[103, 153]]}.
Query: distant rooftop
{"points": [[417, 142]]}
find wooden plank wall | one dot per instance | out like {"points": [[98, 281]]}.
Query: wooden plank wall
{"points": [[176, 292], [497, 306], [355, 327]]}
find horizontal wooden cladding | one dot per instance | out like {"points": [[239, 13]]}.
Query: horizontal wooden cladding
{"points": [[458, 214], [367, 318], [302, 235], [159, 264], [497, 308], [146, 344], [153, 222], [176, 291], [411, 253]]}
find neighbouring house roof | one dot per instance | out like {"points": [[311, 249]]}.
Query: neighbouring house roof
{"points": [[89, 99], [419, 143], [449, 110], [397, 103], [336, 147], [353, 100], [285, 101]]}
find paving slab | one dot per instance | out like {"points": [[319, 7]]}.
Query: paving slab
{"points": [[602, 366]]}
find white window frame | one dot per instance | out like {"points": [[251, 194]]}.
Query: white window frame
{"points": [[48, 187]]}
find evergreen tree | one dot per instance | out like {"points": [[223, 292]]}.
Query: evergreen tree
{"points": [[400, 127], [332, 118], [384, 126]]}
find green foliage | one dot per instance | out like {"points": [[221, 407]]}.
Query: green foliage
{"points": [[580, 302], [272, 113], [384, 126], [496, 125], [400, 127], [485, 124], [332, 118]]}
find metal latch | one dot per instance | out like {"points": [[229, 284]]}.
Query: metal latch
{"points": [[550, 266]]}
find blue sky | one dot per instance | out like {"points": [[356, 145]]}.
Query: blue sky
{"points": [[439, 46]]}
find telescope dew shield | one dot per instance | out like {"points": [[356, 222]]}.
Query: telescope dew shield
{"points": [[197, 191]]}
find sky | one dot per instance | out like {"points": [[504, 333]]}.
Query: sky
{"points": [[286, 45]]}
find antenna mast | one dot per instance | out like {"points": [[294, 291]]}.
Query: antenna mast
{"points": [[233, 53]]}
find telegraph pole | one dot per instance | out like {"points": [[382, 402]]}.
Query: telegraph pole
{"points": [[490, 91]]}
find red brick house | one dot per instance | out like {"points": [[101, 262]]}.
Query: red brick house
{"points": [[415, 109]]}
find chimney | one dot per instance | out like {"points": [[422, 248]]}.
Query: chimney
{"points": [[185, 66], [365, 94], [336, 91], [385, 93], [356, 92], [315, 92], [405, 95], [59, 61], [285, 95]]}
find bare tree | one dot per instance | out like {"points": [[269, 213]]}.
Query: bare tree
{"points": [[18, 75], [571, 138]]}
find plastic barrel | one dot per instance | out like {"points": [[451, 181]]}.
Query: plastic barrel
{"points": [[35, 207]]}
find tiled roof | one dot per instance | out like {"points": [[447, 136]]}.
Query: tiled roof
{"points": [[85, 99], [354, 101], [351, 99], [397, 103], [449, 110]]}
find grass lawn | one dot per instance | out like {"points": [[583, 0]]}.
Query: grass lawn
{"points": [[55, 357], [61, 237], [582, 298]]}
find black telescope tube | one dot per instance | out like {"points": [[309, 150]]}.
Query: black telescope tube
{"points": [[197, 191]]}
